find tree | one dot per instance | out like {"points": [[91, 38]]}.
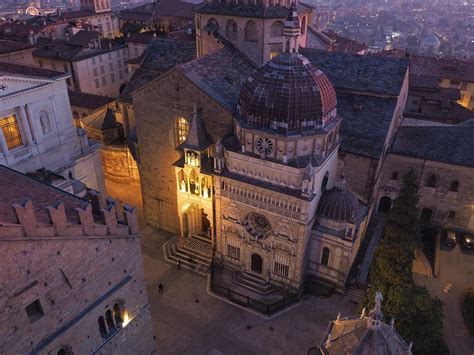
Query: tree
{"points": [[419, 318]]}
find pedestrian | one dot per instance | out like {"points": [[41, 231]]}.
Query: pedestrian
{"points": [[178, 264], [160, 288]]}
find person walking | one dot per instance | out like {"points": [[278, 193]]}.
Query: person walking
{"points": [[160, 288], [178, 264]]}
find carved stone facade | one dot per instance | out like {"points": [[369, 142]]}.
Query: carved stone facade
{"points": [[72, 273]]}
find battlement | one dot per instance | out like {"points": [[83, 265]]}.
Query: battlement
{"points": [[64, 221]]}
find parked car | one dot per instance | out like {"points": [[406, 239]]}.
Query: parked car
{"points": [[450, 239], [468, 241]]}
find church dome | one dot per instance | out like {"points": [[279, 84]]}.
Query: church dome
{"points": [[431, 41], [338, 204], [288, 95]]}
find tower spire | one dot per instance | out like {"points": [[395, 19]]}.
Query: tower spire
{"points": [[291, 30]]}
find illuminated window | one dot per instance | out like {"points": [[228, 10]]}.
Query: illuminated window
{"points": [[182, 129], [11, 132]]}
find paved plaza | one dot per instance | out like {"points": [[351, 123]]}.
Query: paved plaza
{"points": [[187, 320]]}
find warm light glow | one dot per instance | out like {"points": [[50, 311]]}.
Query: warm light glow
{"points": [[126, 319]]}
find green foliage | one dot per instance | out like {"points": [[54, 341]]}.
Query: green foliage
{"points": [[468, 309], [418, 317], [131, 28]]}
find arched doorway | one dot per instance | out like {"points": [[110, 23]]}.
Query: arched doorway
{"points": [[385, 204], [257, 263]]}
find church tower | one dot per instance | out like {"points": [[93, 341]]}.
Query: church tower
{"points": [[253, 26], [194, 184]]}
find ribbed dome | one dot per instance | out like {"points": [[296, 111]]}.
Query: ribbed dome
{"points": [[289, 95], [431, 41], [339, 205]]}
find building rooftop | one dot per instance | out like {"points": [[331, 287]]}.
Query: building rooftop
{"points": [[454, 69], [42, 195], [447, 144], [161, 55], [12, 46], [220, 74], [72, 15], [89, 101], [24, 70], [101, 120], [143, 38], [244, 10], [364, 73], [172, 8]]}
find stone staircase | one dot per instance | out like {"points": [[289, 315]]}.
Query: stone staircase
{"points": [[194, 254], [355, 294], [252, 282]]}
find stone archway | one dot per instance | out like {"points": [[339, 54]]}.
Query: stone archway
{"points": [[195, 222], [256, 264], [385, 204]]}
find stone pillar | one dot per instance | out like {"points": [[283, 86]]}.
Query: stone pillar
{"points": [[3, 144], [27, 125], [181, 226]]}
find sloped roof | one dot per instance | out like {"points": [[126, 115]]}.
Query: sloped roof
{"points": [[245, 10], [24, 70], [102, 120], [375, 74], [447, 144], [89, 101], [198, 138], [147, 12], [161, 55]]}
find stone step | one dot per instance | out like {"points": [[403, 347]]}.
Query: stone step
{"points": [[252, 283], [197, 246], [174, 253]]}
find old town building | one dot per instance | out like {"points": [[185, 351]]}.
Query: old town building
{"points": [[38, 132], [72, 273]]}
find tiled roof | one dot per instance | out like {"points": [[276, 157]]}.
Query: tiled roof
{"points": [[243, 10], [368, 73], [24, 70], [172, 8], [220, 74], [21, 187], [161, 55], [102, 120], [71, 15], [365, 124], [12, 46], [448, 144], [450, 113], [455, 69], [89, 101], [143, 38]]}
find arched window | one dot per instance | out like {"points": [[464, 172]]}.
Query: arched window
{"points": [[212, 25], [231, 29], [120, 314], [182, 183], [431, 182], [325, 181], [276, 30], [102, 327], [426, 214], [110, 320], [65, 350], [206, 188], [325, 257], [303, 25], [251, 31], [182, 129], [194, 182], [454, 186]]}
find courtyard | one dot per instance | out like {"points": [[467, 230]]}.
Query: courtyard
{"points": [[187, 320]]}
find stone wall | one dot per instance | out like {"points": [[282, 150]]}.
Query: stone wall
{"points": [[77, 273], [119, 165], [156, 127], [439, 198]]}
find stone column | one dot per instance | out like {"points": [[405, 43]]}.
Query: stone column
{"points": [[181, 226], [27, 126], [3, 144]]}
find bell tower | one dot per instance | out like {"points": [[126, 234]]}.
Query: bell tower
{"points": [[256, 27], [194, 183], [96, 6]]}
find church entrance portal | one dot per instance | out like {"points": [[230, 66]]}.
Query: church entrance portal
{"points": [[257, 262], [385, 204], [196, 223]]}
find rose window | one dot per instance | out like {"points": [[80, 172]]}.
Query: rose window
{"points": [[264, 145], [257, 225]]}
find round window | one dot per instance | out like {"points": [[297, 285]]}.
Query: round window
{"points": [[264, 145], [257, 224]]}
